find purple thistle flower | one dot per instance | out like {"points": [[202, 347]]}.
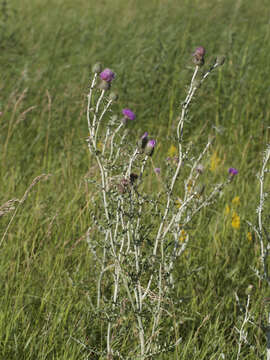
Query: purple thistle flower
{"points": [[157, 171], [151, 143], [150, 147], [144, 135], [128, 114], [198, 56], [107, 75], [143, 141], [199, 52], [233, 172]]}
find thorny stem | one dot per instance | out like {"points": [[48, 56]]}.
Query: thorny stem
{"points": [[195, 165], [101, 116], [95, 117], [116, 156], [107, 135], [268, 338], [103, 269], [112, 140], [176, 174], [159, 310], [180, 126], [132, 159], [185, 105], [177, 217], [260, 211], [241, 331], [93, 130], [89, 96], [140, 200]]}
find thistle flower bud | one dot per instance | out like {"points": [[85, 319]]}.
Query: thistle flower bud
{"points": [[123, 186], [220, 59], [114, 118], [133, 178], [249, 289], [198, 56], [143, 141], [113, 96], [200, 168], [104, 85], [150, 146], [97, 68], [199, 189]]}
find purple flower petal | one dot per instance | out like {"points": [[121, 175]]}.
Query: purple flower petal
{"points": [[233, 171], [144, 135], [151, 143], [200, 51], [150, 146], [107, 75], [129, 114]]}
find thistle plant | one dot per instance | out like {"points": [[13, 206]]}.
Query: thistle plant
{"points": [[134, 235], [262, 231]]}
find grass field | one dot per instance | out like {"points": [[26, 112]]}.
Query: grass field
{"points": [[47, 49]]}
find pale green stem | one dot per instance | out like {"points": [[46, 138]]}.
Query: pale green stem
{"points": [[89, 96]]}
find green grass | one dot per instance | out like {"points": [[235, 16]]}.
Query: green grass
{"points": [[47, 49]]}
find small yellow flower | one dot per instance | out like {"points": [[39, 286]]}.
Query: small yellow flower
{"points": [[215, 161], [100, 146], [189, 185], [227, 209], [178, 203], [249, 236], [183, 236], [172, 151], [235, 220], [236, 201]]}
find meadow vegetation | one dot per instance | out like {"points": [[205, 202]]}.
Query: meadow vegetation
{"points": [[48, 275]]}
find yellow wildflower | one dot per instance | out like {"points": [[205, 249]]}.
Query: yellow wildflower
{"points": [[227, 209], [235, 220], [236, 200], [172, 151], [215, 161], [183, 236], [100, 146], [249, 236], [178, 203], [189, 185]]}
